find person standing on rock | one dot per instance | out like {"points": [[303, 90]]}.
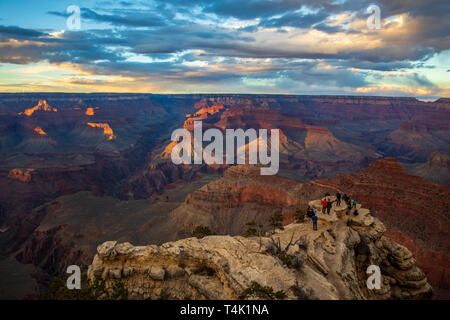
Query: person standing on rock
{"points": [[324, 205], [329, 204], [354, 203], [338, 198], [314, 220]]}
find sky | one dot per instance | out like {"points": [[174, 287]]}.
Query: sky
{"points": [[227, 46]]}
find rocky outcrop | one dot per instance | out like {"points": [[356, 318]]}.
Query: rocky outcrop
{"points": [[39, 131], [89, 111], [414, 210], [41, 106], [240, 196], [329, 263], [20, 175], [107, 131]]}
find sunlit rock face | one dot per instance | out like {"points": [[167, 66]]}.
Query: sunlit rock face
{"points": [[107, 131], [41, 106], [39, 131], [299, 142], [90, 112], [20, 175], [201, 114]]}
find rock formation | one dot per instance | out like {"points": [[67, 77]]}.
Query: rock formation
{"points": [[41, 106], [89, 111], [20, 175], [240, 196], [305, 150], [107, 131], [414, 210], [39, 131], [436, 169], [329, 263]]}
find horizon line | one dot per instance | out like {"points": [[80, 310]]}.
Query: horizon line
{"points": [[227, 94]]}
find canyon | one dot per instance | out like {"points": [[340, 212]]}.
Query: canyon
{"points": [[77, 170]]}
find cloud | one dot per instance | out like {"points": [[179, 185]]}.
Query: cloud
{"points": [[276, 44], [294, 19], [18, 32], [125, 17]]}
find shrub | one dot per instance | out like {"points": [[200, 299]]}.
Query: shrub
{"points": [[291, 261], [202, 231], [303, 293], [57, 290], [205, 270], [262, 292], [299, 215], [276, 221], [253, 229]]}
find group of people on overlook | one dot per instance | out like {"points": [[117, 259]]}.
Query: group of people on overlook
{"points": [[327, 204]]}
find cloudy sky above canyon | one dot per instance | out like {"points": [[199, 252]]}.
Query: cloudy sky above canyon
{"points": [[227, 46]]}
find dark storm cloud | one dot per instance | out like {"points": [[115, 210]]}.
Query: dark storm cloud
{"points": [[369, 65], [315, 74], [74, 47], [295, 19], [249, 9], [132, 18], [126, 17], [19, 33]]}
